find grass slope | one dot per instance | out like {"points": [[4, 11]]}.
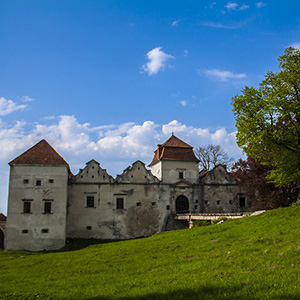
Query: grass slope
{"points": [[249, 258]]}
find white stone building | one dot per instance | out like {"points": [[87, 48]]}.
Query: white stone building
{"points": [[48, 204]]}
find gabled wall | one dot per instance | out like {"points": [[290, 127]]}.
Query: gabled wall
{"points": [[37, 230]]}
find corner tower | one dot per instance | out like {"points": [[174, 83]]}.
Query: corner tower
{"points": [[175, 161], [37, 201]]}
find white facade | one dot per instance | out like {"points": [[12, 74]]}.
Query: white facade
{"points": [[46, 205]]}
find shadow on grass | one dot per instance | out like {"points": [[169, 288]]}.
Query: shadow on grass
{"points": [[238, 292]]}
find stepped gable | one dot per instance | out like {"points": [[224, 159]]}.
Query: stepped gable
{"points": [[40, 154], [174, 149]]}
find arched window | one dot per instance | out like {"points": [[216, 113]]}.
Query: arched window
{"points": [[182, 205]]}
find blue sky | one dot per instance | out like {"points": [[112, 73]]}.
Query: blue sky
{"points": [[108, 80]]}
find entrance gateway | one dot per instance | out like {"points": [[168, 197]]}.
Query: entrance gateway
{"points": [[182, 205]]}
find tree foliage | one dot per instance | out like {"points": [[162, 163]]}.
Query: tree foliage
{"points": [[261, 193], [268, 120], [212, 155]]}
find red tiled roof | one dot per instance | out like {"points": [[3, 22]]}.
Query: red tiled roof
{"points": [[174, 149], [40, 154], [2, 218]]}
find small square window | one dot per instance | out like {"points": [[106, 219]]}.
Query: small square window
{"points": [[24, 231], [153, 203], [51, 180], [231, 202], [138, 204], [196, 201], [120, 203], [88, 227], [38, 182], [242, 201], [26, 207], [180, 175], [46, 230], [196, 206], [47, 207], [218, 202], [206, 202], [168, 207], [90, 201], [25, 181]]}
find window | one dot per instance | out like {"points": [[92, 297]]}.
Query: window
{"points": [[196, 206], [181, 175], [47, 207], [38, 182], [231, 202], [168, 207], [51, 180], [88, 227], [26, 206], [25, 181], [218, 202], [90, 202], [120, 203], [46, 230], [153, 203], [138, 204], [24, 231], [206, 202], [242, 202]]}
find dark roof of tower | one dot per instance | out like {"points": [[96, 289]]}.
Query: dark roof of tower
{"points": [[40, 154], [174, 149]]}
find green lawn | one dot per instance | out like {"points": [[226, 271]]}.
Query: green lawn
{"points": [[250, 258]]}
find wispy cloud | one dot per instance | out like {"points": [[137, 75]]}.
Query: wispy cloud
{"points": [[234, 6], [157, 61], [220, 25], [212, 5], [27, 99], [222, 75], [260, 4], [9, 106], [183, 103], [175, 23]]}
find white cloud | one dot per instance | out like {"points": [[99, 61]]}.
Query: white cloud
{"points": [[9, 106], [296, 45], [183, 103], [26, 99], [260, 4], [157, 61], [212, 5], [114, 146], [175, 23], [222, 75], [234, 6], [220, 25]]}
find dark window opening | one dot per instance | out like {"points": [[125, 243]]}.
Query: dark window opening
{"points": [[26, 207], [196, 206], [138, 204], [206, 202], [1, 239], [51, 180], [218, 202], [47, 208], [92, 176], [89, 227], [120, 203], [90, 201], [38, 182], [153, 203], [242, 201], [24, 231], [180, 174], [196, 201], [25, 181], [230, 202], [182, 204], [45, 230], [168, 207]]}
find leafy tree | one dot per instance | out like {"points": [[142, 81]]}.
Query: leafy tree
{"points": [[211, 156], [268, 120], [261, 193]]}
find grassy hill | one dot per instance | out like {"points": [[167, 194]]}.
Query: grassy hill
{"points": [[249, 258]]}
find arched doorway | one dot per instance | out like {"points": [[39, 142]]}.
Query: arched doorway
{"points": [[182, 205], [1, 239]]}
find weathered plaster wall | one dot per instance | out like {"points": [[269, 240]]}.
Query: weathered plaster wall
{"points": [[36, 230]]}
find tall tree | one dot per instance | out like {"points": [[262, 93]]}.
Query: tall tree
{"points": [[211, 156], [261, 193], [268, 120]]}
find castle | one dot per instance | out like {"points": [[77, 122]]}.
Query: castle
{"points": [[48, 204]]}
